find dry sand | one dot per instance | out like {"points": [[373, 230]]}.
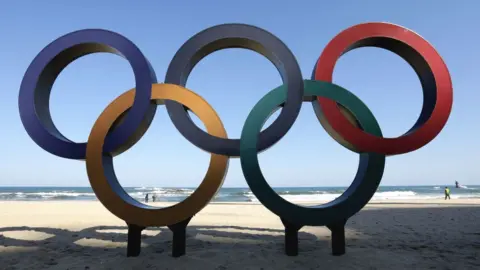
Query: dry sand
{"points": [[393, 235]]}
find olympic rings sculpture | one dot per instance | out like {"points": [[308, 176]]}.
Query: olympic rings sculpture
{"points": [[340, 112]]}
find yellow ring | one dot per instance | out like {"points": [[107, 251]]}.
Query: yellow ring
{"points": [[118, 201]]}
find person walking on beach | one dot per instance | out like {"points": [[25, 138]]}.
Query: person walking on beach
{"points": [[153, 198], [447, 193], [146, 198]]}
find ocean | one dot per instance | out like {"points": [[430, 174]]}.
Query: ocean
{"points": [[292, 194]]}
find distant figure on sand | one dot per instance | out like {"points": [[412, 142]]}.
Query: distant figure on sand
{"points": [[146, 198], [447, 193], [153, 198], [456, 184]]}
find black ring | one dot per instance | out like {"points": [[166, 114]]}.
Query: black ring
{"points": [[235, 36]]}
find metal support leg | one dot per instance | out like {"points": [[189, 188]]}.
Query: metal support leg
{"points": [[179, 237], [134, 240], [338, 238], [291, 237]]}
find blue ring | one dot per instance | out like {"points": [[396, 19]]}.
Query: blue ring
{"points": [[38, 80]]}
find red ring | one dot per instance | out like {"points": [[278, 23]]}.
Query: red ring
{"points": [[363, 141]]}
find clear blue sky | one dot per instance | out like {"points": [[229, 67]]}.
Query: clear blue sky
{"points": [[232, 81]]}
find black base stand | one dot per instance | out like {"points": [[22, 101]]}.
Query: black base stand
{"points": [[179, 237], [338, 238], [291, 237], [134, 240]]}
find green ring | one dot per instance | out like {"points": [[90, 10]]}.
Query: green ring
{"points": [[367, 179]]}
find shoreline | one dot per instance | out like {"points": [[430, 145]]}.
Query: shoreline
{"points": [[299, 195], [454, 201], [390, 235]]}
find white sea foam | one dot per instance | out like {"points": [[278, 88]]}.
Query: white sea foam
{"points": [[45, 195], [378, 196], [178, 194]]}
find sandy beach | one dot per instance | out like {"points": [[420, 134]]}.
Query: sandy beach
{"points": [[433, 234]]}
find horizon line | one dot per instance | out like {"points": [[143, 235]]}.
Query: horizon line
{"points": [[195, 187]]}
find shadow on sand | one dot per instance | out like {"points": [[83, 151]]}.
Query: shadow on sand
{"points": [[394, 238]]}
